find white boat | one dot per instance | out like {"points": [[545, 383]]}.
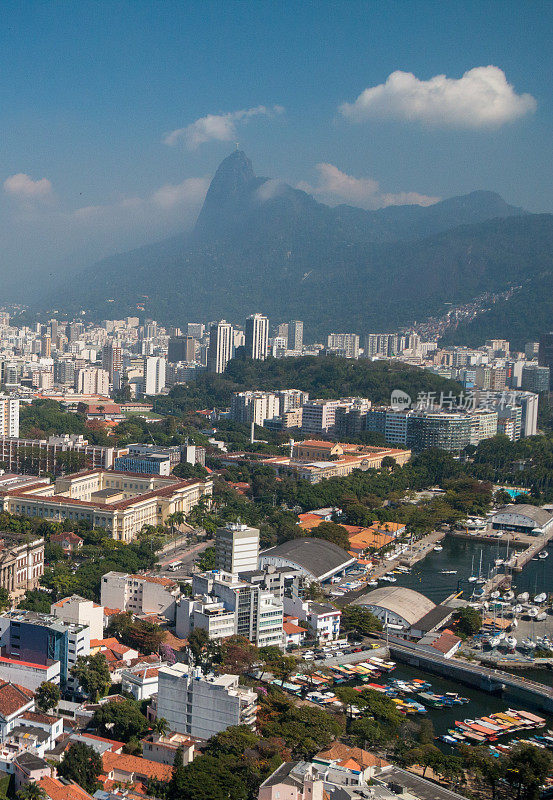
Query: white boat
{"points": [[438, 548], [389, 578], [494, 641], [495, 595], [498, 562], [517, 609], [448, 572], [509, 595], [533, 612], [540, 598], [528, 644], [523, 597], [511, 642], [472, 579], [372, 583], [543, 554], [542, 616]]}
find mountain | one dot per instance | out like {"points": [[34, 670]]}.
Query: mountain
{"points": [[261, 245]]}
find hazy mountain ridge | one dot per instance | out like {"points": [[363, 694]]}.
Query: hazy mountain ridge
{"points": [[262, 245]]}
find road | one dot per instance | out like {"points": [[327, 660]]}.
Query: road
{"points": [[184, 553]]}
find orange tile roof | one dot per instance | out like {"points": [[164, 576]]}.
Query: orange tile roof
{"points": [[290, 628], [57, 790], [136, 765], [340, 752], [13, 697]]}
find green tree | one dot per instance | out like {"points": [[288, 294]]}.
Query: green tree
{"points": [[92, 675], [468, 621], [206, 560], [331, 532], [31, 791], [5, 601], [121, 721], [526, 769], [47, 696], [83, 765], [355, 618]]}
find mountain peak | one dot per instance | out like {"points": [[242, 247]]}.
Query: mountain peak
{"points": [[233, 174]]}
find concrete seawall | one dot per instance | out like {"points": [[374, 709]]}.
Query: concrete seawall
{"points": [[493, 681]]}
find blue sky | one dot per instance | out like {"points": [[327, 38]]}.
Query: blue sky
{"points": [[90, 91]]}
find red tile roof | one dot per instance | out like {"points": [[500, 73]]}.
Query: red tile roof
{"points": [[13, 697], [57, 790], [134, 765]]}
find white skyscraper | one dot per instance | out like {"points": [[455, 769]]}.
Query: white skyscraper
{"points": [[257, 336], [221, 338], [237, 548], [154, 374]]}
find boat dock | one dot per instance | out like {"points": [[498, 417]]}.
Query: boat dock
{"points": [[533, 545], [470, 674]]}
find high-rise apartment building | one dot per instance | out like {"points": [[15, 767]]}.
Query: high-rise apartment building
{"points": [[46, 346], [319, 416], [9, 415], [92, 380], [257, 407], [195, 329], [154, 374], [181, 348], [257, 337], [535, 378], [344, 344], [237, 548], [221, 346], [545, 354], [112, 360], [295, 335], [203, 705]]}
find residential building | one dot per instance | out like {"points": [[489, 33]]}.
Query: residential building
{"points": [[120, 502], [9, 415], [291, 399], [447, 431], [127, 769], [545, 354], [293, 780], [181, 348], [139, 594], [69, 542], [322, 619], [535, 378], [319, 416], [256, 613], [257, 337], [483, 425], [295, 336], [112, 361], [92, 380], [257, 407], [154, 375], [141, 681], [31, 638], [221, 346], [237, 548], [344, 344], [80, 611], [162, 748], [528, 402], [15, 700], [203, 705]]}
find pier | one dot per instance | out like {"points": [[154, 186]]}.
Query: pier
{"points": [[516, 688]]}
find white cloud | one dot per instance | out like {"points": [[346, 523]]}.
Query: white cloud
{"points": [[481, 98], [270, 189], [336, 186], [219, 127], [191, 190], [24, 187]]}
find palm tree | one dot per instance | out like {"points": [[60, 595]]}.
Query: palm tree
{"points": [[31, 791], [160, 726]]}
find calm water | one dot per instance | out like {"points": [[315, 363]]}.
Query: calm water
{"points": [[459, 555], [480, 703], [428, 578]]}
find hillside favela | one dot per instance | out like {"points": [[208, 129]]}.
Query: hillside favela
{"points": [[276, 400]]}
